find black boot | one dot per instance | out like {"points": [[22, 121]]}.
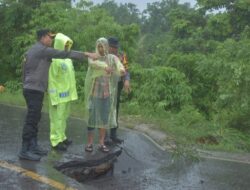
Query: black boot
{"points": [[35, 149], [60, 146], [113, 132], [108, 142], [26, 154], [113, 136], [67, 142]]}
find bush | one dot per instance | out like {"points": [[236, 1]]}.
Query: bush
{"points": [[160, 88], [13, 86]]}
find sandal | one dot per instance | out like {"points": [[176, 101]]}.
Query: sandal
{"points": [[103, 148], [89, 148]]}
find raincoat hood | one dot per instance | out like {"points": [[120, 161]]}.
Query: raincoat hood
{"points": [[104, 43], [61, 40], [62, 84]]}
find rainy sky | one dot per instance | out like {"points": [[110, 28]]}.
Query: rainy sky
{"points": [[142, 4]]}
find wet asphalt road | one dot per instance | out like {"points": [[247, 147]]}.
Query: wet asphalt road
{"points": [[141, 166]]}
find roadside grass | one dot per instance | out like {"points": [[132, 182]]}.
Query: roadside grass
{"points": [[12, 98], [17, 99], [188, 129]]}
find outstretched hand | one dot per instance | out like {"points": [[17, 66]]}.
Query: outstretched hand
{"points": [[93, 56]]}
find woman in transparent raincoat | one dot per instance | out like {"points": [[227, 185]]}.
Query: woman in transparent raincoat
{"points": [[101, 93]]}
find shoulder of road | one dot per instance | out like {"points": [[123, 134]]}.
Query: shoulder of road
{"points": [[166, 143]]}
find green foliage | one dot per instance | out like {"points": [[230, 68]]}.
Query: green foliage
{"points": [[188, 117], [229, 69], [80, 78], [203, 89], [218, 27], [13, 86], [237, 11], [230, 139], [13, 17], [158, 21], [163, 88], [214, 4], [124, 14]]}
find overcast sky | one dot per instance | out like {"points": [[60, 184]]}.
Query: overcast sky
{"points": [[142, 4]]}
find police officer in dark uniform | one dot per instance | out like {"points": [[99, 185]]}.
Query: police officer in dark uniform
{"points": [[123, 83]]}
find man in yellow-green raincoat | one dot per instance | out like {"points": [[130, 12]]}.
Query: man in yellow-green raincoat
{"points": [[61, 90]]}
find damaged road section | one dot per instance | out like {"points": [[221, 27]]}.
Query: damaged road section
{"points": [[82, 169]]}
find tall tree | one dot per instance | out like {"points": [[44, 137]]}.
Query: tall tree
{"points": [[237, 10], [126, 13]]}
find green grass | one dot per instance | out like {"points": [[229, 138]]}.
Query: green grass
{"points": [[190, 129], [17, 99], [12, 98]]}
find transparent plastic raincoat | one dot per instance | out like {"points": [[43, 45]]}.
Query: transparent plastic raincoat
{"points": [[101, 88]]}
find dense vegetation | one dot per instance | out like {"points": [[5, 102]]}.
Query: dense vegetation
{"points": [[190, 67]]}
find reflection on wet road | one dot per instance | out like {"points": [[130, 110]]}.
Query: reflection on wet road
{"points": [[141, 166]]}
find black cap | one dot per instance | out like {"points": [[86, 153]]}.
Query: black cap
{"points": [[44, 32], [113, 42]]}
